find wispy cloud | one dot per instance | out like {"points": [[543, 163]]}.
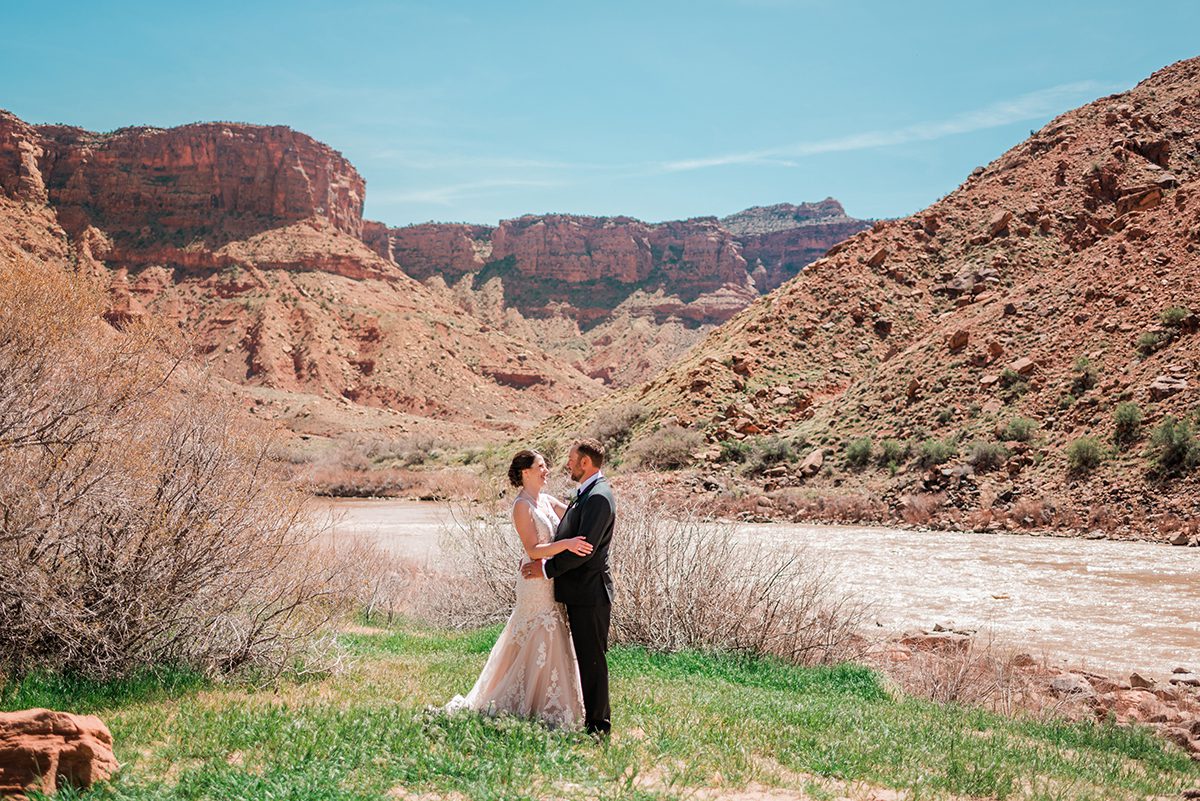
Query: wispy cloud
{"points": [[430, 160], [1034, 105], [449, 195]]}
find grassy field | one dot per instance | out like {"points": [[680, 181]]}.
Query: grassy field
{"points": [[686, 726]]}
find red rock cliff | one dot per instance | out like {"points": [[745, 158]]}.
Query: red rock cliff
{"points": [[778, 241], [209, 181], [587, 266], [447, 249]]}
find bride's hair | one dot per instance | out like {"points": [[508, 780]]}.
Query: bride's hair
{"points": [[522, 461]]}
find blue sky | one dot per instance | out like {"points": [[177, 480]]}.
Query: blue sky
{"points": [[477, 111]]}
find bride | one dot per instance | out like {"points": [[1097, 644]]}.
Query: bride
{"points": [[532, 671]]}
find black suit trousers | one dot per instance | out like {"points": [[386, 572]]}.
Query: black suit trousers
{"points": [[589, 632]]}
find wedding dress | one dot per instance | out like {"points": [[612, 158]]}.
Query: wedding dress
{"points": [[532, 670]]}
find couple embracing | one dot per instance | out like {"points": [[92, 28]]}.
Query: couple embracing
{"points": [[549, 662]]}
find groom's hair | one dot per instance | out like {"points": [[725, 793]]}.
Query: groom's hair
{"points": [[592, 449]]}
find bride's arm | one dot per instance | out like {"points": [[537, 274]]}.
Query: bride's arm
{"points": [[527, 531], [559, 506]]}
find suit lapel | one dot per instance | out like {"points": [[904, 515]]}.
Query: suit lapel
{"points": [[559, 532]]}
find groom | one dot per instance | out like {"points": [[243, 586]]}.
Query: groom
{"points": [[583, 583]]}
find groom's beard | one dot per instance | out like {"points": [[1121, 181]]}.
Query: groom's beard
{"points": [[575, 475]]}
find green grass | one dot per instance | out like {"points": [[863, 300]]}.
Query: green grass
{"points": [[683, 721]]}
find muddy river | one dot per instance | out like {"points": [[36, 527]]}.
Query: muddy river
{"points": [[1106, 606]]}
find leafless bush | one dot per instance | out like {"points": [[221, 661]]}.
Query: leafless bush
{"points": [[919, 508], [1030, 513], [373, 581], [613, 426], [140, 522], [483, 547], [1102, 516], [849, 507], [666, 448], [681, 583], [977, 674]]}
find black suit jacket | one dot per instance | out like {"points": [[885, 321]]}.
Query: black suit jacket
{"points": [[585, 580]]}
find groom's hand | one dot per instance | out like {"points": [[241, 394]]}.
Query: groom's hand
{"points": [[532, 570]]}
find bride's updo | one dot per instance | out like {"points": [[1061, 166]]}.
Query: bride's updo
{"points": [[520, 463]]}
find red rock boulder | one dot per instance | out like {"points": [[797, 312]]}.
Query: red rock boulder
{"points": [[41, 749]]}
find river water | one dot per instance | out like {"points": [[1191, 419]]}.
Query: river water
{"points": [[1100, 605]]}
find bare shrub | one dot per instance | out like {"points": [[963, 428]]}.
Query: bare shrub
{"points": [[373, 581], [804, 505], [1030, 513], [614, 426], [1101, 516], [919, 508], [978, 674], [486, 554], [666, 448], [140, 521], [681, 583]]}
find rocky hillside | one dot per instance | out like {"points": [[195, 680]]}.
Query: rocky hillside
{"points": [[595, 289], [249, 238], [989, 340]]}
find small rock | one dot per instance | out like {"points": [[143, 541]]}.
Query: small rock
{"points": [[813, 463], [1023, 365], [957, 340], [1182, 538], [878, 257], [1185, 680], [39, 748], [999, 222], [1071, 685], [1140, 682], [1166, 385]]}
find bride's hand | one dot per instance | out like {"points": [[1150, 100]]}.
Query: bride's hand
{"points": [[579, 546]]}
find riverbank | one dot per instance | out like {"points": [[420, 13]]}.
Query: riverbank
{"points": [[687, 726], [1104, 606], [937, 500]]}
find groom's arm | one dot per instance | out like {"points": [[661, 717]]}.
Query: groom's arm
{"points": [[594, 517]]}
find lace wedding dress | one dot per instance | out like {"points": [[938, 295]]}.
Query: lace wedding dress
{"points": [[532, 670]]}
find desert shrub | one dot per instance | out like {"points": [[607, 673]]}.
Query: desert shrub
{"points": [[892, 452], [1084, 454], [614, 426], [768, 451], [1174, 316], [1030, 513], [1019, 429], [1173, 448], [140, 525], [666, 448], [919, 508], [1085, 377], [987, 456], [735, 450], [684, 583], [802, 504], [858, 453], [936, 451], [1151, 341], [976, 673], [1012, 384], [1128, 424]]}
